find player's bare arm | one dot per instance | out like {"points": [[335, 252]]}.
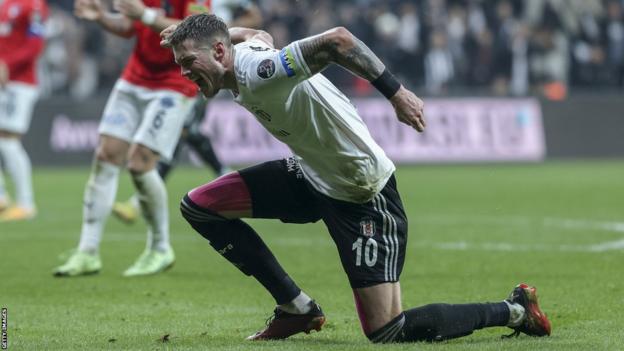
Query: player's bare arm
{"points": [[240, 34], [93, 10], [340, 47], [137, 11]]}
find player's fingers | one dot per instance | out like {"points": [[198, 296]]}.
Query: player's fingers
{"points": [[167, 31], [411, 121], [418, 121], [420, 125]]}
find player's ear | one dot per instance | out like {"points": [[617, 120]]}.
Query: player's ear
{"points": [[219, 51]]}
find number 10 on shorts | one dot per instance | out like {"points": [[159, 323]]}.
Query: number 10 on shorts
{"points": [[370, 251]]}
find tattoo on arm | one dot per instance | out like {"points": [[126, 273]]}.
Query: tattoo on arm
{"points": [[316, 52], [319, 51]]}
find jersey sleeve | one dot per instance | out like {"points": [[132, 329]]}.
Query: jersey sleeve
{"points": [[268, 68]]}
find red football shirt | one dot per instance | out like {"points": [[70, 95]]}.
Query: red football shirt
{"points": [[152, 66], [21, 37]]}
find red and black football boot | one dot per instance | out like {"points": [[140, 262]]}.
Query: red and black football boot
{"points": [[535, 323], [283, 324]]}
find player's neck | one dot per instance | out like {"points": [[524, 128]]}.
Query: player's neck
{"points": [[229, 79]]}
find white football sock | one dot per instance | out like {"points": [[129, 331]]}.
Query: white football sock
{"points": [[98, 201], [516, 314], [18, 168], [152, 195], [299, 305]]}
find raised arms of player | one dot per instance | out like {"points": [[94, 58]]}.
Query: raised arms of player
{"points": [[121, 23], [340, 47], [93, 10], [240, 34], [136, 10]]}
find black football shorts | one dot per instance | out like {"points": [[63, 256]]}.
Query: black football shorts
{"points": [[370, 237]]}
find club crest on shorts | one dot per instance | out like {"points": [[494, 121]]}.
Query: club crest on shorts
{"points": [[266, 69], [367, 227]]}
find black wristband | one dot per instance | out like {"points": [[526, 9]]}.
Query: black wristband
{"points": [[387, 84]]}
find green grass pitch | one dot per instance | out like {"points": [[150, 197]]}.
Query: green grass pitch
{"points": [[475, 232]]}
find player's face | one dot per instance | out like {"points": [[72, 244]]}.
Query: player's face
{"points": [[202, 64]]}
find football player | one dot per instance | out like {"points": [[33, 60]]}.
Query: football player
{"points": [[243, 13], [21, 43], [338, 175], [140, 125]]}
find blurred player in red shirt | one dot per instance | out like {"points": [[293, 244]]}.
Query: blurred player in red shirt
{"points": [[21, 42], [141, 123], [237, 13]]}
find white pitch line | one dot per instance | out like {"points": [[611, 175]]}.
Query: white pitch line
{"points": [[563, 223], [513, 221], [607, 246], [508, 247], [517, 221], [585, 224]]}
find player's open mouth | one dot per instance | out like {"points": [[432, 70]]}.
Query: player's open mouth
{"points": [[200, 82]]}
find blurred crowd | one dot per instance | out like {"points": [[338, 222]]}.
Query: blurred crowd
{"points": [[437, 47]]}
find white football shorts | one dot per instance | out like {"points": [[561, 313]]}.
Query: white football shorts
{"points": [[17, 101], [153, 118]]}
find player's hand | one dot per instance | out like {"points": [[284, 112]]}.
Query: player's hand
{"points": [[131, 8], [164, 36], [409, 109], [91, 10], [4, 74]]}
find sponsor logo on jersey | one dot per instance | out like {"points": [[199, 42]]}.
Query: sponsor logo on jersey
{"points": [[266, 69], [292, 165], [288, 62], [260, 113], [259, 48], [367, 227], [167, 102], [37, 27]]}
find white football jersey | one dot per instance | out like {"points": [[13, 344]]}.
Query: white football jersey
{"points": [[319, 124]]}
